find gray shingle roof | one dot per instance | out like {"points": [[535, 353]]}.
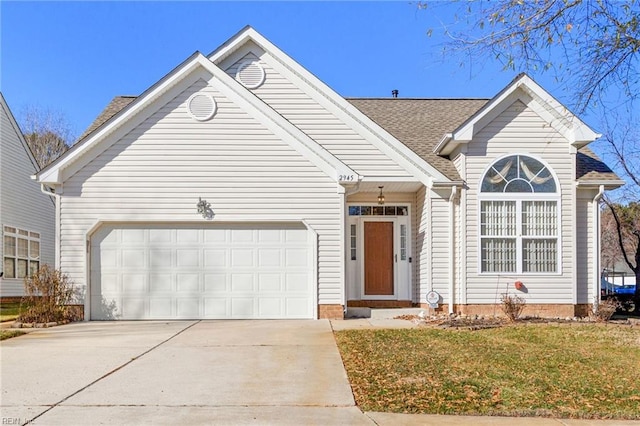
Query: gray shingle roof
{"points": [[589, 167], [114, 107], [421, 123], [417, 123]]}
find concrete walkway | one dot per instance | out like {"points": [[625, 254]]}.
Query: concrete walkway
{"points": [[193, 372]]}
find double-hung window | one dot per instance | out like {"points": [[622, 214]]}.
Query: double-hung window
{"points": [[519, 218], [21, 252]]}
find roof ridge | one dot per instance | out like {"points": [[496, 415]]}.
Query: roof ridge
{"points": [[415, 99]]}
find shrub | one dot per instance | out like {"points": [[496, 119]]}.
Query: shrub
{"points": [[49, 294], [606, 308], [512, 306]]}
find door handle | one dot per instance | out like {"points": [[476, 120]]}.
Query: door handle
{"points": [[396, 256]]}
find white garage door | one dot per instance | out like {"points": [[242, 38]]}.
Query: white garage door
{"points": [[186, 272]]}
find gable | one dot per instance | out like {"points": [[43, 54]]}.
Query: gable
{"points": [[169, 151], [11, 134], [323, 126], [248, 40], [527, 91], [196, 67]]}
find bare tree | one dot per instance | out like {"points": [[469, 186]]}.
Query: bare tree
{"points": [[591, 45], [47, 133]]}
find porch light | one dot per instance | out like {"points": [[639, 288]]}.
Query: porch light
{"points": [[381, 196]]}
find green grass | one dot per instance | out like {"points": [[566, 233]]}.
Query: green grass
{"points": [[8, 334], [9, 311], [575, 371]]}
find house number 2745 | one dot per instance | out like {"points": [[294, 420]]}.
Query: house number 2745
{"points": [[346, 178]]}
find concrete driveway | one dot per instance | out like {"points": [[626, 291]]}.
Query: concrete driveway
{"points": [[177, 372]]}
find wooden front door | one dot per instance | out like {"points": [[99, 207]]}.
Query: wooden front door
{"points": [[378, 258]]}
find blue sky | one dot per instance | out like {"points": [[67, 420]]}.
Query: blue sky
{"points": [[74, 57]]}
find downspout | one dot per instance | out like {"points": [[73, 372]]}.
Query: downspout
{"points": [[596, 248], [56, 196], [452, 249]]}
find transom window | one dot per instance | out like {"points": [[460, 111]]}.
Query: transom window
{"points": [[378, 211], [519, 219], [21, 252]]}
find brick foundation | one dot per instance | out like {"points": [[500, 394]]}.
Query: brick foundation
{"points": [[380, 303], [10, 299], [531, 309], [330, 312]]}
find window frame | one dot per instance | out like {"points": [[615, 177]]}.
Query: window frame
{"points": [[30, 237], [520, 198]]}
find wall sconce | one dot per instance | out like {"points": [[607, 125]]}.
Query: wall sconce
{"points": [[204, 208], [381, 196]]}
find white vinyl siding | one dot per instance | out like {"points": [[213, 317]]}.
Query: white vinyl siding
{"points": [[306, 113], [160, 169], [585, 245], [518, 129], [422, 270], [22, 203], [439, 226]]}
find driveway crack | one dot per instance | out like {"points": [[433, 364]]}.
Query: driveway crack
{"points": [[110, 373]]}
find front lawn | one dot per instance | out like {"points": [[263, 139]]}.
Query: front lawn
{"points": [[576, 371], [9, 311], [8, 334]]}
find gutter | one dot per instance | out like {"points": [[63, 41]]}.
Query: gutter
{"points": [[596, 248]]}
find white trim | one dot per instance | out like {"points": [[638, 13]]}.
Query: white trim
{"points": [[334, 103], [15, 256], [452, 247], [400, 293], [344, 250], [608, 184], [519, 198], [596, 248], [313, 242], [542, 102]]}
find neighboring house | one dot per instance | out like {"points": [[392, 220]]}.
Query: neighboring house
{"points": [[241, 186], [27, 215]]}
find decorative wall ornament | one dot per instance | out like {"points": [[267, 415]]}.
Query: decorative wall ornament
{"points": [[204, 208]]}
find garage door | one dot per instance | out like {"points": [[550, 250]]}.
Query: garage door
{"points": [[214, 272]]}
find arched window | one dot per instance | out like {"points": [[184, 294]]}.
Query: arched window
{"points": [[519, 217]]}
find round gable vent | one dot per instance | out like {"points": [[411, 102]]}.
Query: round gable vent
{"points": [[201, 106], [251, 74]]}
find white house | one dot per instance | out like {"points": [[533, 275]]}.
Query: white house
{"points": [[241, 186], [27, 216]]}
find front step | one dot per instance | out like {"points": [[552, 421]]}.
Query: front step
{"points": [[382, 313]]}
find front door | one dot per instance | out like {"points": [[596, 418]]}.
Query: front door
{"points": [[378, 258]]}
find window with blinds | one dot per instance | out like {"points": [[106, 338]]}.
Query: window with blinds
{"points": [[519, 217]]}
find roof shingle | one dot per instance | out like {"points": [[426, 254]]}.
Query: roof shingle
{"points": [[421, 123], [115, 106]]}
